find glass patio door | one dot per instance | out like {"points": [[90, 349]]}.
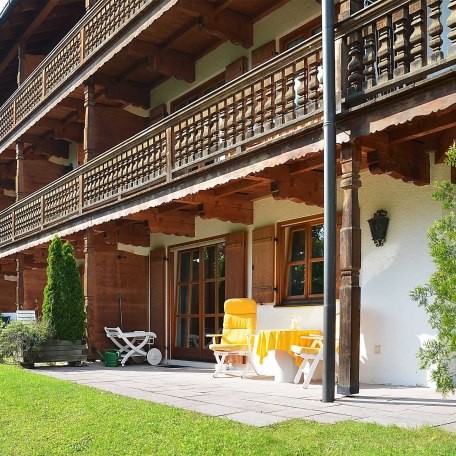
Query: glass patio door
{"points": [[199, 299]]}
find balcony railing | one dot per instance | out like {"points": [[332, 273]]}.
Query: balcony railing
{"points": [[388, 46], [80, 46], [272, 97], [392, 44]]}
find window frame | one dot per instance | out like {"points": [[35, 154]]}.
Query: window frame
{"points": [[284, 245]]}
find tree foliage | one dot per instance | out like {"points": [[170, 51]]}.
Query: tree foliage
{"points": [[438, 296], [63, 306]]}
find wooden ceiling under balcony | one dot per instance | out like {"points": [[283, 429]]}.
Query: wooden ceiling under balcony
{"points": [[41, 24]]}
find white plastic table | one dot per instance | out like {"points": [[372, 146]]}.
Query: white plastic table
{"points": [[131, 344]]}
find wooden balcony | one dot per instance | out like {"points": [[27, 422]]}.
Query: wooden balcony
{"points": [[108, 24], [384, 48]]}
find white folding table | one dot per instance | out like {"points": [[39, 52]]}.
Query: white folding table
{"points": [[131, 344]]}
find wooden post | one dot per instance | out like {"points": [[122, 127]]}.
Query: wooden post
{"points": [[349, 7], [89, 126], [89, 292], [19, 170], [20, 281], [20, 63], [350, 265]]}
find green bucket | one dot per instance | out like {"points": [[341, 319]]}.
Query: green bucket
{"points": [[110, 358]]}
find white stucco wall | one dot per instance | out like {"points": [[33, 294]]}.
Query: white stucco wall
{"points": [[391, 323]]}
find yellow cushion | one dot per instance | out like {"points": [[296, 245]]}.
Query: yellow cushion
{"points": [[298, 350], [240, 306], [228, 347]]}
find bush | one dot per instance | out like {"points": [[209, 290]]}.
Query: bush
{"points": [[25, 338], [438, 295], [63, 306]]}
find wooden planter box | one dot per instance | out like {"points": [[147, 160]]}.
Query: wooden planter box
{"points": [[55, 351]]}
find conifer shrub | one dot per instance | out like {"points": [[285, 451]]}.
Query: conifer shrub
{"points": [[63, 305]]}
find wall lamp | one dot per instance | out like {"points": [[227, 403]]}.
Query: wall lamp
{"points": [[378, 225]]}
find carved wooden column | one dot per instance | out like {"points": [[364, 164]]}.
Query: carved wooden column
{"points": [[20, 281], [89, 291], [19, 196], [89, 263], [349, 7], [20, 63], [20, 295], [350, 265], [19, 170], [89, 122]]}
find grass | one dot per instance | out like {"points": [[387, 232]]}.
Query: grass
{"points": [[44, 416]]}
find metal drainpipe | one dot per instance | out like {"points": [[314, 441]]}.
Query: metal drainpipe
{"points": [[330, 201]]}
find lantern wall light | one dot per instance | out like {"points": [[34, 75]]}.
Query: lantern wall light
{"points": [[378, 225]]}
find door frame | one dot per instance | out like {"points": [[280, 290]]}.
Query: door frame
{"points": [[172, 255]]}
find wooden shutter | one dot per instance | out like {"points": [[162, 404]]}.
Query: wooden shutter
{"points": [[263, 247], [157, 297], [263, 53], [236, 265], [236, 69]]}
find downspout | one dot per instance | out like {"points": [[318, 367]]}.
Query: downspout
{"points": [[330, 201]]}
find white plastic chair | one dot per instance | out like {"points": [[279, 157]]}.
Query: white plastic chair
{"points": [[26, 316]]}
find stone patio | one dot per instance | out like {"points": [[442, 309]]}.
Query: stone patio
{"points": [[259, 401]]}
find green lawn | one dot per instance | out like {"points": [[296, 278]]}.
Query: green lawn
{"points": [[44, 416]]}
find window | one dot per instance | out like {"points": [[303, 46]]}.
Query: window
{"points": [[300, 268]]}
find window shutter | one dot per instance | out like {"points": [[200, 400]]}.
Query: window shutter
{"points": [[236, 69], [157, 297], [263, 247], [263, 53], [235, 265]]}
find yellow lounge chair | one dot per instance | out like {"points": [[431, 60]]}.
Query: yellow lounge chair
{"points": [[239, 326]]}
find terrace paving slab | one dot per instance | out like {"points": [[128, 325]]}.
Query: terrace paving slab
{"points": [[259, 401]]}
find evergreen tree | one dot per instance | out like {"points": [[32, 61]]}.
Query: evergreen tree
{"points": [[438, 296], [63, 306]]}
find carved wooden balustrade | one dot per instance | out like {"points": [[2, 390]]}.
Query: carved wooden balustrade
{"points": [[396, 43], [80, 46], [274, 96]]}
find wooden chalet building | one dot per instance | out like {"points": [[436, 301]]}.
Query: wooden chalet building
{"points": [[178, 145]]}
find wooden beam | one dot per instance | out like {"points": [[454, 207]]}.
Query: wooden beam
{"points": [[179, 223], [422, 127], [307, 189], [48, 147], [445, 140], [233, 214], [408, 162], [28, 32], [168, 62], [235, 187], [124, 91], [224, 24], [68, 131]]}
